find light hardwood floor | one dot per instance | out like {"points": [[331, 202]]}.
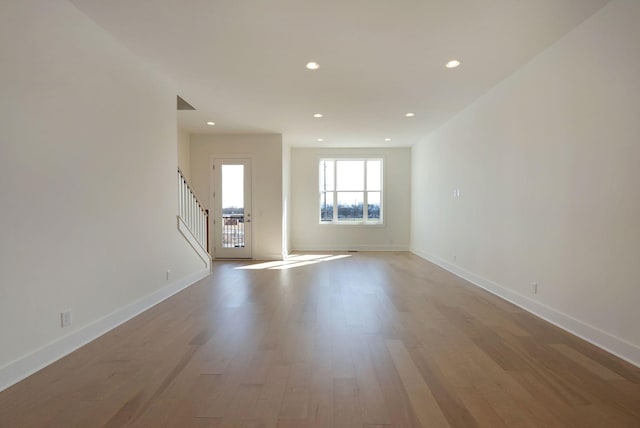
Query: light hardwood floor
{"points": [[357, 340]]}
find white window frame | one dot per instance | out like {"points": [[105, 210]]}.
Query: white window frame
{"points": [[365, 208]]}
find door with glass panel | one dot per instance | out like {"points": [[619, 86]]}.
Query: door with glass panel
{"points": [[232, 208]]}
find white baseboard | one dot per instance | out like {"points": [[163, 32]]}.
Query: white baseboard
{"points": [[256, 258], [349, 248], [16, 371], [268, 257], [610, 343]]}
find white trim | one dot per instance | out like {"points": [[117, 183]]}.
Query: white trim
{"points": [[610, 343], [18, 370], [354, 224], [259, 257], [188, 235], [335, 191], [348, 247], [213, 158], [268, 257]]}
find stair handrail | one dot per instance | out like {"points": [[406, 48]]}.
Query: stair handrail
{"points": [[196, 220]]}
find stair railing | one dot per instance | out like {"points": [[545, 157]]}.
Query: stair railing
{"points": [[192, 212]]}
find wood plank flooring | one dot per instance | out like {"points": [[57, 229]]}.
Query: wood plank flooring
{"points": [[335, 340]]}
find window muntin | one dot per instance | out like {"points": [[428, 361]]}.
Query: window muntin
{"points": [[350, 191]]}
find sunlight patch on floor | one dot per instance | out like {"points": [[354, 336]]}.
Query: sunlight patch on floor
{"points": [[295, 260]]}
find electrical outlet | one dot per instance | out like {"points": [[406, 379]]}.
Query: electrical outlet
{"points": [[168, 274], [65, 319], [534, 287], [455, 258]]}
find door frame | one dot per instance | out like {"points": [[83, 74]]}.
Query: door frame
{"points": [[212, 236]]}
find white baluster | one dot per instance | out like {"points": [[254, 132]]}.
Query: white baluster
{"points": [[193, 212], [179, 194], [190, 201], [203, 234], [184, 205]]}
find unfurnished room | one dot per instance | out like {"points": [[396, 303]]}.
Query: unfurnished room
{"points": [[294, 213]]}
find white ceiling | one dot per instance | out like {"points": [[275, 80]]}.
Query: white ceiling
{"points": [[241, 63]]}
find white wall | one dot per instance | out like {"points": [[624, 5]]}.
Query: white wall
{"points": [[308, 234], [184, 153], [265, 152], [87, 183], [548, 167], [286, 199]]}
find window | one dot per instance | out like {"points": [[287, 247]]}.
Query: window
{"points": [[351, 191]]}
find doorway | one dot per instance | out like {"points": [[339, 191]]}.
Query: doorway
{"points": [[232, 230]]}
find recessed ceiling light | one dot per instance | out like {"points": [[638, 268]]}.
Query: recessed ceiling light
{"points": [[453, 63], [320, 139], [211, 123], [410, 114], [387, 139], [317, 115], [313, 65]]}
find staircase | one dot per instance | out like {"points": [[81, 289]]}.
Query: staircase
{"points": [[193, 219]]}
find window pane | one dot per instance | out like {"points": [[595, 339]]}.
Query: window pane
{"points": [[233, 206], [374, 174], [326, 206], [350, 175], [350, 206], [373, 205], [326, 175]]}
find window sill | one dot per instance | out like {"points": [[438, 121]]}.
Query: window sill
{"points": [[352, 223]]}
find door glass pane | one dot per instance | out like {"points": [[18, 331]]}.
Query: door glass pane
{"points": [[326, 175], [350, 175], [326, 206], [350, 206], [233, 206], [373, 206], [374, 170]]}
